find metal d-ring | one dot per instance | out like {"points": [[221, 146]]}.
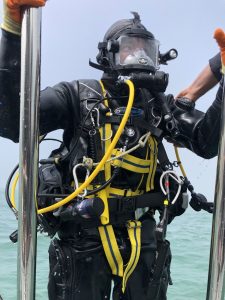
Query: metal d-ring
{"points": [[108, 138]]}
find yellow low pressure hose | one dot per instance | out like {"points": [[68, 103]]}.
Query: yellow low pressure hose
{"points": [[104, 159], [15, 181], [179, 162], [13, 190]]}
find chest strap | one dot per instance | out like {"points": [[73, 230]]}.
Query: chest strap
{"points": [[130, 204], [131, 163]]}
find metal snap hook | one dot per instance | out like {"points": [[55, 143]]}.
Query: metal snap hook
{"points": [[76, 184]]}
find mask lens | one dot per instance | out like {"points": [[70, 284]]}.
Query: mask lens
{"points": [[137, 51]]}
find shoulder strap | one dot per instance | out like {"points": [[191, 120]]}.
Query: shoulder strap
{"points": [[89, 89]]}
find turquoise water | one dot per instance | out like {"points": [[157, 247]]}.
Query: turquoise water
{"points": [[190, 243]]}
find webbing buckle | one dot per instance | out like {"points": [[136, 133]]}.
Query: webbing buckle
{"points": [[133, 224]]}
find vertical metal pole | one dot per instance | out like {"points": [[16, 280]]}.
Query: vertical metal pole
{"points": [[216, 276], [29, 134]]}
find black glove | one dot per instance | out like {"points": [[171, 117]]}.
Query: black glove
{"points": [[199, 201], [186, 119], [185, 103]]}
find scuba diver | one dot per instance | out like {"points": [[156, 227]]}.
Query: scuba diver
{"points": [[113, 159]]}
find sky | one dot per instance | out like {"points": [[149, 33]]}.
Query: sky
{"points": [[72, 29]]}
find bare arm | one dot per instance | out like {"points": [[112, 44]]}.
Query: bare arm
{"points": [[201, 85]]}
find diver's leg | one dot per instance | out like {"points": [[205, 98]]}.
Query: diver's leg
{"points": [[78, 274], [139, 285]]}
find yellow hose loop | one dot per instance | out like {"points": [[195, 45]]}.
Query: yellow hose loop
{"points": [[179, 162], [13, 190], [15, 182], [104, 159]]}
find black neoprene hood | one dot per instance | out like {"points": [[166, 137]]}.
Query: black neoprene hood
{"points": [[110, 45], [125, 26]]}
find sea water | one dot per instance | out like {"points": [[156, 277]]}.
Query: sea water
{"points": [[189, 235]]}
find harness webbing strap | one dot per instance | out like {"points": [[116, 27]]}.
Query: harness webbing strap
{"points": [[106, 231], [131, 163], [112, 252], [134, 232], [103, 194], [106, 135], [113, 192], [143, 175], [111, 249]]}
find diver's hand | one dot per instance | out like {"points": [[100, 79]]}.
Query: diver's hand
{"points": [[201, 85], [187, 93], [13, 13], [185, 103], [182, 110]]}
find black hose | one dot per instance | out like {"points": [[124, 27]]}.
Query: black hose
{"points": [[53, 140], [104, 185], [7, 187]]}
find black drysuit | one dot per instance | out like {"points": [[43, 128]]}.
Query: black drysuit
{"points": [[78, 266]]}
